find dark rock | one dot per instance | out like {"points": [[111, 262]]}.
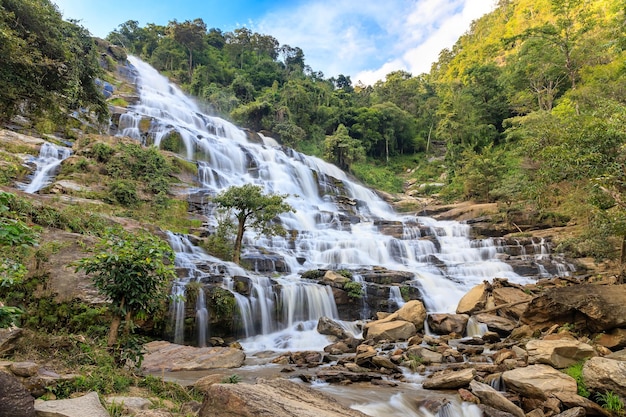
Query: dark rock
{"points": [[15, 400]]}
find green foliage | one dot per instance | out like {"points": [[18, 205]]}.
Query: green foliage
{"points": [[232, 379], [354, 289], [222, 302], [343, 150], [576, 372], [380, 177], [9, 316], [132, 270], [611, 402], [414, 362], [251, 208], [169, 390], [124, 192]]}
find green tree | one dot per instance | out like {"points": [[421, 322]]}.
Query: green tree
{"points": [[191, 35], [343, 150], [253, 209], [132, 270]]}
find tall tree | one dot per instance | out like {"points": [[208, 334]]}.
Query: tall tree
{"points": [[191, 35], [342, 149], [253, 209]]}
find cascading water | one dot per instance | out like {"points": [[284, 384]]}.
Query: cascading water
{"points": [[337, 223], [47, 163]]}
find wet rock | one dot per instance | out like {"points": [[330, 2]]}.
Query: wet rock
{"points": [[449, 379], [397, 330], [341, 376], [495, 399], [501, 325], [277, 398], [87, 405], [330, 327], [559, 353], [603, 374], [15, 400], [596, 308], [171, 357], [467, 396], [443, 324], [385, 363], [536, 381], [387, 277], [364, 354]]}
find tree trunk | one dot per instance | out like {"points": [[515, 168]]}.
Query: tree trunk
{"points": [[237, 249], [115, 326]]}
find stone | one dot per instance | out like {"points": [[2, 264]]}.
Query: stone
{"points": [[447, 323], [573, 412], [511, 295], [276, 398], [467, 396], [559, 353], [474, 300], [569, 400], [203, 384], [615, 339], [450, 379], [596, 308], [501, 325], [8, 337], [165, 356], [427, 356], [620, 355], [87, 405], [536, 381], [385, 363], [332, 277], [604, 374], [495, 399], [15, 400], [330, 327], [24, 369], [153, 413], [414, 312], [364, 354], [130, 405], [397, 330]]}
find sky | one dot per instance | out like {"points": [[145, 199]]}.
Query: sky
{"points": [[365, 39]]}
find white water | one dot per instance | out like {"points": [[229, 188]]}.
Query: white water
{"points": [[49, 159], [323, 232]]}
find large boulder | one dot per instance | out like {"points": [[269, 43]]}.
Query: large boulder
{"points": [[87, 405], [15, 400], [389, 330], [441, 323], [165, 356], [512, 301], [596, 308], [571, 401], [495, 399], [330, 327], [615, 339], [449, 380], [501, 325], [603, 374], [414, 312], [535, 381], [276, 398], [559, 353], [474, 300]]}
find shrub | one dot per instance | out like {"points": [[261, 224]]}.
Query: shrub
{"points": [[124, 192], [354, 289]]}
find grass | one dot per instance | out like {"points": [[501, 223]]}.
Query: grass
{"points": [[576, 372], [611, 402]]}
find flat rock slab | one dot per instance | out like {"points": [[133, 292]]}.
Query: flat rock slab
{"points": [[165, 356], [275, 398], [87, 405]]}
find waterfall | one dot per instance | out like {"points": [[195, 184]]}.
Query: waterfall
{"points": [[395, 297], [338, 223], [49, 159]]}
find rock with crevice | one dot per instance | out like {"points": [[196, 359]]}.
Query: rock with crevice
{"points": [[537, 381], [495, 399], [558, 353], [15, 400], [276, 398], [397, 330], [604, 374]]}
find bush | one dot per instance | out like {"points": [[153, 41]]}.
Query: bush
{"points": [[354, 289], [124, 192]]}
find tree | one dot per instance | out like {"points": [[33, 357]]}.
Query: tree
{"points": [[343, 150], [132, 270], [190, 35], [253, 209]]}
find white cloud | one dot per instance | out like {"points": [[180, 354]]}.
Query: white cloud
{"points": [[375, 37]]}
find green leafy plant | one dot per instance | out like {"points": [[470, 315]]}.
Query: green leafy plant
{"points": [[354, 289], [576, 372], [611, 402], [414, 362], [233, 379]]}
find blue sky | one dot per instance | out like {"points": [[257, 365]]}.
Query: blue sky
{"points": [[365, 39]]}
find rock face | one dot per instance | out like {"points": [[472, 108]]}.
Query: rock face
{"points": [[559, 353], [170, 357], [536, 381], [87, 405], [276, 398], [602, 374], [15, 400], [390, 330], [596, 308]]}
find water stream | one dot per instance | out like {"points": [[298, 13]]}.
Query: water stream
{"points": [[338, 224], [46, 166]]}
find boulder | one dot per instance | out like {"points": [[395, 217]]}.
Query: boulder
{"points": [[334, 278], [165, 356], [573, 412], [414, 312], [391, 330], [501, 325], [202, 385], [276, 398], [15, 400], [8, 338], [570, 401], [330, 327], [364, 354], [24, 369], [535, 381], [473, 301], [620, 355], [512, 301], [559, 353], [495, 399], [596, 308], [449, 380], [87, 405], [447, 323], [427, 356], [615, 339], [385, 363], [603, 374]]}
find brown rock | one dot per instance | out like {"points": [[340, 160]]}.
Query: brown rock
{"points": [[495, 399], [467, 396], [167, 356], [276, 398], [604, 374], [473, 301], [449, 379], [501, 325], [24, 369], [203, 384], [515, 297], [15, 400], [615, 339], [536, 381], [330, 327], [8, 337], [447, 323], [559, 353], [570, 400], [391, 330]]}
